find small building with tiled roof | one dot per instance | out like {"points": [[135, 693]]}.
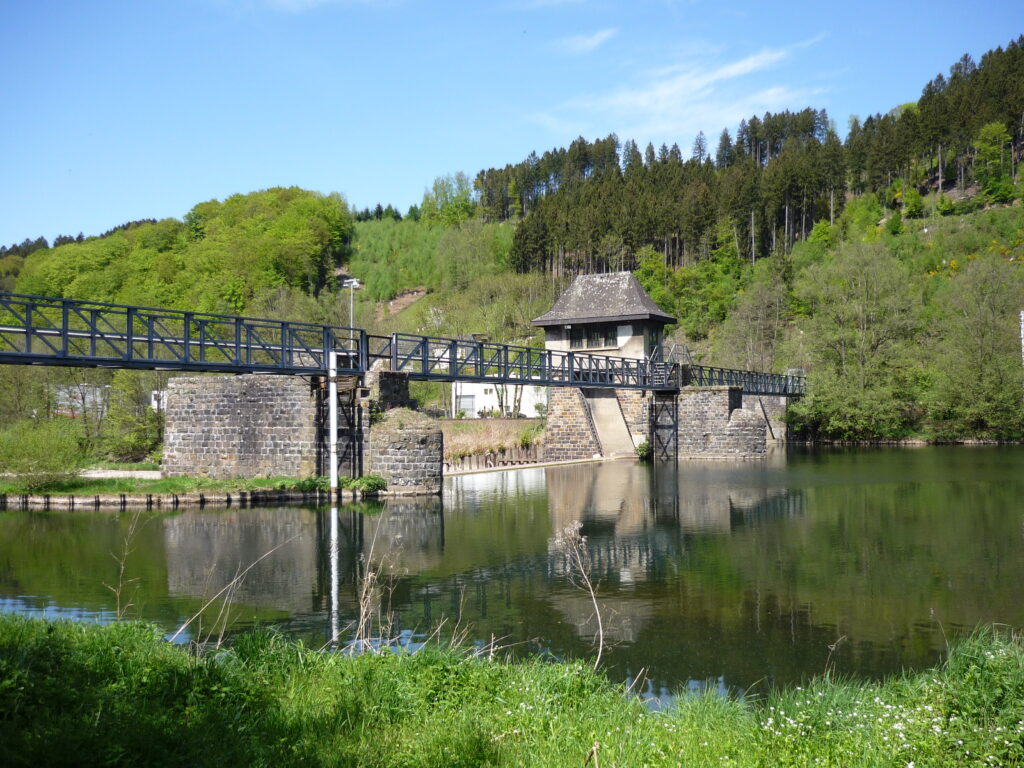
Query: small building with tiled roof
{"points": [[608, 314]]}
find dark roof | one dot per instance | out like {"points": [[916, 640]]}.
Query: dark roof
{"points": [[603, 298]]}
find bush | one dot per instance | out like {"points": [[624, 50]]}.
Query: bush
{"points": [[645, 451], [40, 453], [368, 484], [1000, 191], [913, 203]]}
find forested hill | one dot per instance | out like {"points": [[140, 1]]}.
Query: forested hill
{"points": [[593, 207], [273, 251]]}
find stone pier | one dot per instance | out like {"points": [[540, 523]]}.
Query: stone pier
{"points": [[713, 424]]}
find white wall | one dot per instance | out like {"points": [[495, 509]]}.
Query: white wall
{"points": [[485, 397]]}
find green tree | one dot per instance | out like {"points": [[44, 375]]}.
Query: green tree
{"points": [[992, 162], [863, 316], [449, 201], [979, 379], [753, 330], [132, 430]]}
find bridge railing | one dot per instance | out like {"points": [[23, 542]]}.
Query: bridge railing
{"points": [[447, 359], [55, 331], [752, 382]]}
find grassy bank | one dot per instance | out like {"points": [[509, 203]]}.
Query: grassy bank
{"points": [[81, 694], [466, 437], [84, 486]]}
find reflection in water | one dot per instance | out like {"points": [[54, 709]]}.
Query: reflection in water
{"points": [[207, 551], [725, 575]]}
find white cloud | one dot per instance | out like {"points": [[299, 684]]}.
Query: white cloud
{"points": [[675, 101], [577, 44]]}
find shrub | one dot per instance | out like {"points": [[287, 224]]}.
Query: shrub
{"points": [[368, 484], [645, 451], [40, 453]]}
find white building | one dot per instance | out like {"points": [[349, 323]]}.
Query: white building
{"points": [[474, 398]]}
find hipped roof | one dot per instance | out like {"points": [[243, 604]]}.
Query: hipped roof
{"points": [[611, 297]]}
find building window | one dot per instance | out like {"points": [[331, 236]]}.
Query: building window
{"points": [[593, 337]]}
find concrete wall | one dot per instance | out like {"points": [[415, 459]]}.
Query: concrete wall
{"points": [[635, 405], [714, 425]]}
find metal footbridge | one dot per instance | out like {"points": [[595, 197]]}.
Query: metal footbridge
{"points": [[37, 330]]}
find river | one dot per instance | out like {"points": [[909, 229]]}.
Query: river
{"points": [[730, 576]]}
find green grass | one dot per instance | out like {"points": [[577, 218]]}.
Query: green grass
{"points": [[88, 695], [181, 485]]}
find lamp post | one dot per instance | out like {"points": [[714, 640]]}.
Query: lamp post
{"points": [[332, 389], [351, 283]]}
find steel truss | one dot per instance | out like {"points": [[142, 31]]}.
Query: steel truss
{"points": [[39, 330]]}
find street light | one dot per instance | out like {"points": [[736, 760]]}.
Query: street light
{"points": [[332, 389], [351, 283]]}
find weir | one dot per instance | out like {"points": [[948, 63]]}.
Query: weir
{"points": [[611, 386]]}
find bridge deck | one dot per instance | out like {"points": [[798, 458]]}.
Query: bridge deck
{"points": [[37, 330]]}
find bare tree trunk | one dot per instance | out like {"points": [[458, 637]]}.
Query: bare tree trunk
{"points": [[753, 253]]}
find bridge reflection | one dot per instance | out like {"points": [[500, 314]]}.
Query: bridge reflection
{"points": [[487, 563]]}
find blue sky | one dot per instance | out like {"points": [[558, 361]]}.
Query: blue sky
{"points": [[114, 111]]}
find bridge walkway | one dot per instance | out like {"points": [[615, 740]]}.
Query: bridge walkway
{"points": [[38, 330]]}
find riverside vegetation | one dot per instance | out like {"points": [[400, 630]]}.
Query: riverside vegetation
{"points": [[71, 485], [85, 694]]}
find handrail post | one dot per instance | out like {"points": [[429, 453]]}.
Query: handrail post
{"points": [[394, 351], [285, 350], [65, 329], [129, 347], [187, 336], [238, 341], [28, 328]]}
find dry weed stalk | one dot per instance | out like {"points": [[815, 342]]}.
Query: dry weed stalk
{"points": [[121, 608], [230, 588], [573, 546], [829, 666], [370, 595]]}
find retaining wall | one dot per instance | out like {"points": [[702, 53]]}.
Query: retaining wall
{"points": [[407, 450]]}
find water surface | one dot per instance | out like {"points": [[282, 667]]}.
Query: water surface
{"points": [[730, 576]]}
